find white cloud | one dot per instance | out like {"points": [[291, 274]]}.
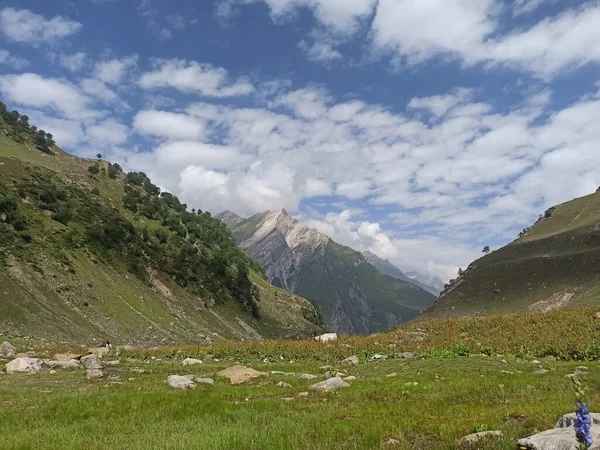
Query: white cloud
{"points": [[73, 62], [354, 189], [113, 71], [15, 62], [108, 132], [168, 125], [180, 154], [98, 90], [191, 76], [439, 105], [22, 25]]}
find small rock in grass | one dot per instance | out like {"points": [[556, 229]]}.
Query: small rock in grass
{"points": [[24, 365], [330, 385], [138, 370], [535, 361], [550, 358], [379, 357], [307, 376], [392, 375], [302, 394], [478, 438], [350, 378], [570, 375], [283, 384], [114, 363], [412, 383], [540, 372], [179, 382], [351, 361], [91, 362], [52, 372], [582, 368], [241, 374], [391, 442], [94, 374], [204, 381], [406, 355], [66, 356], [287, 399], [61, 364], [191, 362], [208, 357], [7, 350]]}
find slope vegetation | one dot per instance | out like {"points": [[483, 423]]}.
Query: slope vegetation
{"points": [[552, 265], [88, 252]]}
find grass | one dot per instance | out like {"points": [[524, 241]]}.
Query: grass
{"points": [[454, 397]]}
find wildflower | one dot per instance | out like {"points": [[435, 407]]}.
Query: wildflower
{"points": [[583, 423], [501, 387]]}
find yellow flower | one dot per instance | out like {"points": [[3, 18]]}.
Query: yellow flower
{"points": [[501, 387]]}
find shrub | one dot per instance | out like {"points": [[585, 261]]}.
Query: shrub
{"points": [[94, 169]]}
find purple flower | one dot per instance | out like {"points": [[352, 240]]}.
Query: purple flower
{"points": [[583, 424]]}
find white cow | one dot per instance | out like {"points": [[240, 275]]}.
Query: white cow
{"points": [[327, 337]]}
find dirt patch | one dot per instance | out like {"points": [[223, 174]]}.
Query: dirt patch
{"points": [[158, 285], [558, 300]]}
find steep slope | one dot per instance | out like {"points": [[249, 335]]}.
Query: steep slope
{"points": [[554, 264], [229, 218], [87, 252], [354, 297], [434, 285]]}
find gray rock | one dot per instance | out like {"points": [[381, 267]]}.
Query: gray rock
{"points": [[283, 384], [350, 378], [540, 372], [330, 385], [392, 375], [550, 358], [379, 357], [327, 337], [179, 382], [204, 381], [558, 439], [114, 363], [61, 364], [94, 374], [191, 362], [411, 383], [351, 361], [7, 350], [568, 420], [208, 357], [406, 355], [91, 362], [328, 375], [302, 394], [478, 438], [24, 365], [307, 376], [277, 372]]}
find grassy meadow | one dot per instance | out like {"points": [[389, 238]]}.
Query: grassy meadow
{"points": [[464, 385]]}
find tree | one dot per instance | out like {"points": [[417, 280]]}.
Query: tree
{"points": [[94, 169], [99, 156], [486, 249]]}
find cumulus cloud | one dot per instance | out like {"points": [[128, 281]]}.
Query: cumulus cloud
{"points": [[22, 25], [168, 125], [191, 76], [107, 132], [113, 71], [72, 62], [16, 62]]}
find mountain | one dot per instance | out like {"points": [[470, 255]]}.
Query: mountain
{"points": [[229, 218], [433, 285], [353, 296], [89, 252], [553, 264]]}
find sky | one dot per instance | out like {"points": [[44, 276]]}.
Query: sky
{"points": [[421, 130]]}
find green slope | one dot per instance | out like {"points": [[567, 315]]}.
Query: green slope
{"points": [[87, 252], [554, 264]]}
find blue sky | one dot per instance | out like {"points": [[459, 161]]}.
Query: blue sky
{"points": [[419, 129]]}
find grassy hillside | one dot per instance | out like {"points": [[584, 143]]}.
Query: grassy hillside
{"points": [[554, 264], [88, 252]]}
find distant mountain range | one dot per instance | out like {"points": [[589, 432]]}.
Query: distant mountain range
{"points": [[432, 284], [553, 264], [353, 295]]}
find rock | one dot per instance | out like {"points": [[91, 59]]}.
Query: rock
{"points": [[138, 370], [391, 442], [483, 437], [191, 362], [540, 372], [52, 372], [350, 378], [570, 375], [535, 361], [114, 363], [277, 372], [204, 381], [24, 365], [208, 357], [94, 374], [351, 361], [568, 420], [582, 368], [406, 355], [287, 399], [283, 384], [302, 394], [307, 376], [327, 337], [327, 375], [179, 382], [100, 352], [241, 374], [25, 355], [66, 356], [62, 364], [91, 362], [330, 385], [392, 375], [558, 439], [597, 315], [7, 350], [340, 374], [411, 383], [379, 357], [550, 358]]}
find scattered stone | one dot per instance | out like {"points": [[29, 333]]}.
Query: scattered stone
{"points": [[478, 438], [179, 382], [191, 362], [94, 374], [550, 358], [307, 376], [411, 383], [535, 361], [114, 363], [392, 375], [138, 370], [540, 372], [66, 356], [350, 378], [287, 399], [241, 374], [91, 362], [277, 372], [379, 357], [204, 381], [351, 361], [330, 385], [302, 394], [24, 365], [208, 357], [61, 364], [327, 337], [570, 375], [283, 384], [7, 350], [406, 355], [504, 361]]}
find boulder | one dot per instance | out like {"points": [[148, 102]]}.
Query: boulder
{"points": [[91, 362], [241, 374], [568, 420], [558, 439], [100, 352], [307, 376], [66, 356], [478, 439], [191, 362], [61, 364], [94, 374], [330, 385], [7, 350], [24, 365], [351, 361], [327, 337], [179, 382]]}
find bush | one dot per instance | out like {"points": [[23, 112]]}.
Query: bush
{"points": [[94, 169]]}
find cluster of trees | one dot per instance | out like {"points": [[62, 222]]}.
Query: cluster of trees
{"points": [[113, 170], [20, 129]]}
